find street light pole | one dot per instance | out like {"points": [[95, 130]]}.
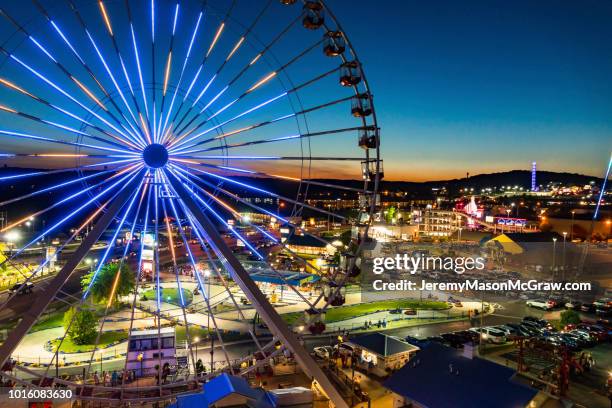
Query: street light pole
{"points": [[553, 256], [564, 239], [572, 227]]}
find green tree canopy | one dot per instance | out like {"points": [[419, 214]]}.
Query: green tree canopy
{"points": [[84, 327], [570, 317], [103, 285]]}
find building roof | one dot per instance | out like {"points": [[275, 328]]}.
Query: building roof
{"points": [[152, 333], [428, 381], [382, 344], [305, 240], [222, 387], [279, 277]]}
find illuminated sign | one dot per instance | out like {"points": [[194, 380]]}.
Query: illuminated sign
{"points": [[515, 222]]}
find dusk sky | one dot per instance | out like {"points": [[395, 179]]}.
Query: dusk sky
{"points": [[479, 86], [485, 86]]}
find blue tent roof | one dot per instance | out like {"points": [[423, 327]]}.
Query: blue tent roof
{"points": [[223, 386], [426, 379]]}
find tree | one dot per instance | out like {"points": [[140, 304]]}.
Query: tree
{"points": [[570, 317], [102, 286], [390, 214], [84, 326]]}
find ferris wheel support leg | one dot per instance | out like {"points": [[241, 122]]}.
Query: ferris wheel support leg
{"points": [[44, 298], [267, 312]]}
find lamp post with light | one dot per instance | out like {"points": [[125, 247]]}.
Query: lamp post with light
{"points": [[564, 239], [572, 227], [554, 256]]}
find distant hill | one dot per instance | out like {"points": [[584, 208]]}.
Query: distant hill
{"points": [[289, 188]]}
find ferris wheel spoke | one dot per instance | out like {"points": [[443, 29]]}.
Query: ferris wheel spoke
{"points": [[59, 250], [145, 121], [117, 278], [137, 137], [59, 89], [56, 62], [251, 89], [213, 266], [263, 211], [179, 142], [186, 175], [196, 270], [219, 70], [92, 281], [64, 200], [140, 268], [54, 187], [213, 43], [62, 127], [129, 176], [180, 80], [64, 112], [273, 140], [238, 217], [240, 73], [109, 28], [167, 71], [20, 135], [272, 121], [82, 62], [206, 298], [287, 178]]}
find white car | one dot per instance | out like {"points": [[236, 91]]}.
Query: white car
{"points": [[490, 334], [323, 352], [540, 304]]}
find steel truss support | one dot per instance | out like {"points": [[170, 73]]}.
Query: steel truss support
{"points": [[46, 297], [267, 312]]}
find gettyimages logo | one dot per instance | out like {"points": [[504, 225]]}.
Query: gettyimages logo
{"points": [[414, 264]]}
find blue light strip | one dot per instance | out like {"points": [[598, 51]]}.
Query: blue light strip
{"points": [[603, 189], [111, 244], [133, 173]]}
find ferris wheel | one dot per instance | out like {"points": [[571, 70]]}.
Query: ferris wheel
{"points": [[192, 142]]}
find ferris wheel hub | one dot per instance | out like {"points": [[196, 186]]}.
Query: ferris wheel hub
{"points": [[155, 155]]}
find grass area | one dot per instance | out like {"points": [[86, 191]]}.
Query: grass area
{"points": [[53, 320], [170, 295], [106, 338], [337, 314]]}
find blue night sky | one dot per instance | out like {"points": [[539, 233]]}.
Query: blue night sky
{"points": [[484, 86]]}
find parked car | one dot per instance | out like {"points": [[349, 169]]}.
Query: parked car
{"points": [[539, 322], [587, 308], [22, 288], [603, 311], [605, 302], [410, 312], [490, 334], [573, 305], [453, 340], [416, 341], [323, 352], [540, 304], [518, 329], [594, 330]]}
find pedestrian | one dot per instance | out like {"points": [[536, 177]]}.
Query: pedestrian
{"points": [[114, 379], [96, 378]]}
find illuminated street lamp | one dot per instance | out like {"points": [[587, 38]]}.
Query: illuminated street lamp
{"points": [[572, 226], [12, 237], [554, 255]]}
